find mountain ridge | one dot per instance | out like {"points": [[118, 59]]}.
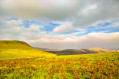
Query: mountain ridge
{"points": [[83, 51]]}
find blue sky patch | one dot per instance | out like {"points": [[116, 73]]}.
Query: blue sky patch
{"points": [[49, 27]]}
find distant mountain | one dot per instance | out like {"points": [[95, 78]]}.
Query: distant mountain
{"points": [[101, 50], [47, 49], [15, 49], [82, 51]]}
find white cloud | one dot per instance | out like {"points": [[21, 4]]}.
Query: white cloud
{"points": [[43, 33], [103, 40], [10, 26], [34, 27], [67, 27], [12, 29]]}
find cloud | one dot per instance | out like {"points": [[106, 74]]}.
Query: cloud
{"points": [[83, 12], [99, 11], [67, 27], [40, 8], [11, 29], [81, 16], [14, 30], [103, 40], [35, 27]]}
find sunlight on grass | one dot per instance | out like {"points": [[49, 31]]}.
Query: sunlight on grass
{"points": [[85, 66], [15, 49]]}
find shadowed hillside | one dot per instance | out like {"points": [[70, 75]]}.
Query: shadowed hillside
{"points": [[15, 49], [47, 49], [82, 51]]}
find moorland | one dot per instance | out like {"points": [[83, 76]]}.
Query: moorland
{"points": [[18, 60]]}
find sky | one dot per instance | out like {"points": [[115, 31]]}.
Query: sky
{"points": [[61, 24]]}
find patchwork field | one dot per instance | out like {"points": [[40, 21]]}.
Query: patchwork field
{"points": [[85, 66]]}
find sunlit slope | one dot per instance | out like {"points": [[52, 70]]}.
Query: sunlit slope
{"points": [[15, 49]]}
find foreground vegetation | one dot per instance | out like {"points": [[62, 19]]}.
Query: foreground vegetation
{"points": [[85, 66]]}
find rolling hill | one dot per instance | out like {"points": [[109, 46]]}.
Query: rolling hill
{"points": [[15, 49], [82, 51]]}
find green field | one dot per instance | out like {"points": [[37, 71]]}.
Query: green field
{"points": [[18, 60]]}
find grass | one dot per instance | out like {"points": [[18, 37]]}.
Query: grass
{"points": [[85, 66], [15, 49]]}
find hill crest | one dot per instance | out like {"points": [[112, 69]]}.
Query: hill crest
{"points": [[15, 49]]}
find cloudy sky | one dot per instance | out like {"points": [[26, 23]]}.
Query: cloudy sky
{"points": [[61, 24]]}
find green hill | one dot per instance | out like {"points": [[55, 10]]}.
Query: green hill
{"points": [[15, 49]]}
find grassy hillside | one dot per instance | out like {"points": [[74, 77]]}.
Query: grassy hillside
{"points": [[84, 66], [15, 49]]}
